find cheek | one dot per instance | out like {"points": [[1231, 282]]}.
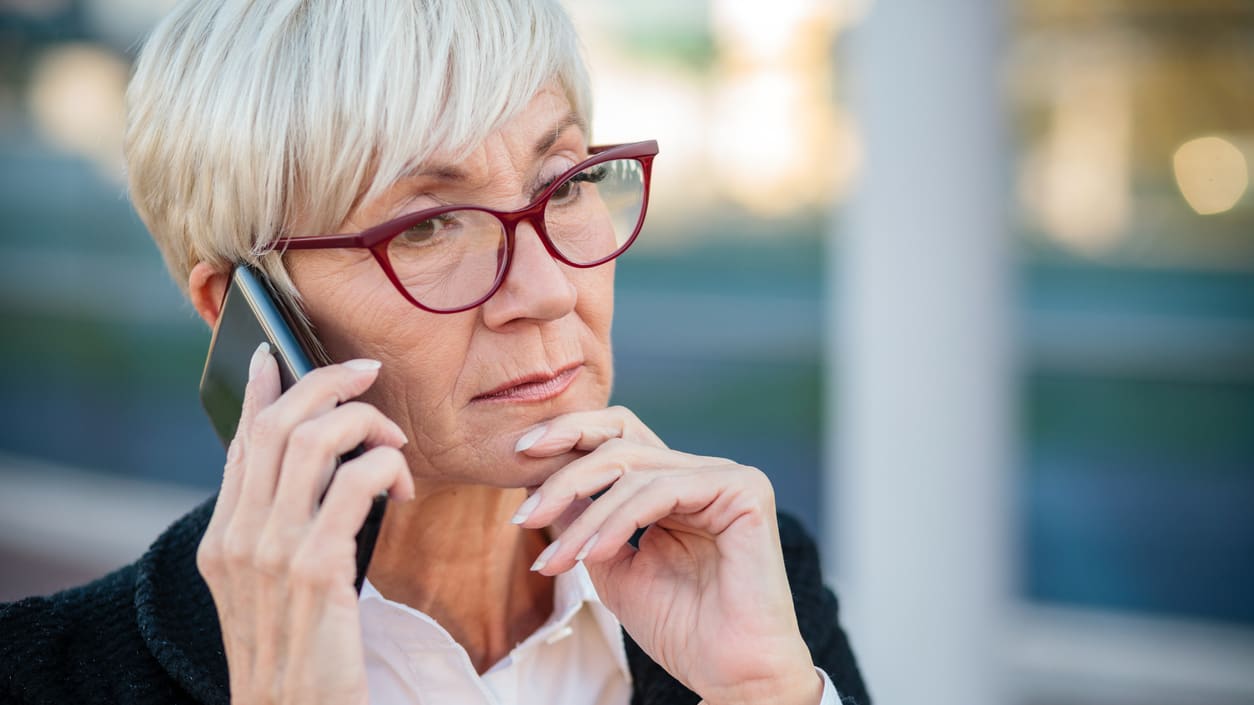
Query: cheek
{"points": [[418, 388], [422, 353], [596, 311], [595, 303], [423, 363]]}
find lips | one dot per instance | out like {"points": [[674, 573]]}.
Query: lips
{"points": [[534, 387]]}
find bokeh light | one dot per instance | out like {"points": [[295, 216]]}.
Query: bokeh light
{"points": [[78, 98], [1077, 179], [1212, 174]]}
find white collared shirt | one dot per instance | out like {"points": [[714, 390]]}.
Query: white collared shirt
{"points": [[577, 657]]}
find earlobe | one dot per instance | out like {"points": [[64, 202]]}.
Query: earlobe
{"points": [[207, 286]]}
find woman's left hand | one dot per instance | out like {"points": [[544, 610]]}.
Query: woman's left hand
{"points": [[705, 594]]}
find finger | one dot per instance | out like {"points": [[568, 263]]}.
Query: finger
{"points": [[576, 535], [573, 511], [267, 436], [314, 447], [605, 571], [710, 501], [354, 488], [586, 430], [261, 390], [592, 473], [228, 494]]}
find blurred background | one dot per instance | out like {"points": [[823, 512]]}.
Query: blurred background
{"points": [[973, 281]]}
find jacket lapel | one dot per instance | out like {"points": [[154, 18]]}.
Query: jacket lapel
{"points": [[650, 683], [176, 614]]}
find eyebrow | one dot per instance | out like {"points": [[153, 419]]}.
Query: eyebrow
{"points": [[451, 173], [544, 143]]}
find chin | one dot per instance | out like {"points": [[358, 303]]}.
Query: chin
{"points": [[491, 461], [517, 470], [533, 472], [485, 454]]}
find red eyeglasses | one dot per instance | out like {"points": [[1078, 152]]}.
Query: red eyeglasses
{"points": [[453, 258]]}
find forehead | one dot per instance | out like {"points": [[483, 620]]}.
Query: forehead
{"points": [[545, 121], [530, 132]]}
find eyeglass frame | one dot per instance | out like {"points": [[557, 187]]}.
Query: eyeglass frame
{"points": [[377, 238]]}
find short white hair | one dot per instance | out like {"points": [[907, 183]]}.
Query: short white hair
{"points": [[247, 119]]}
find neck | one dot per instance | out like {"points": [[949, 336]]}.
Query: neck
{"points": [[453, 554]]}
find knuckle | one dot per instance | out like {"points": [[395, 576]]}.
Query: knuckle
{"points": [[624, 413], [209, 555], [358, 478], [621, 410], [759, 480], [388, 455], [237, 550], [394, 459], [268, 422], [760, 488], [270, 558], [633, 479], [309, 568], [622, 471], [310, 437]]}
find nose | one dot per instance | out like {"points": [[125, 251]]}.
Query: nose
{"points": [[535, 288]]}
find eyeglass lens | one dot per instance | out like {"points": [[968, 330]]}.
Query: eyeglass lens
{"points": [[452, 260]]}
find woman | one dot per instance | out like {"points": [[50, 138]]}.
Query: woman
{"points": [[473, 315]]}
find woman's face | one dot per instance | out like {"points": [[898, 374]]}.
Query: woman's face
{"points": [[452, 381]]}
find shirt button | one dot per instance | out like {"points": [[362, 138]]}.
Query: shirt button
{"points": [[559, 635]]}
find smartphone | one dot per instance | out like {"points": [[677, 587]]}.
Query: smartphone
{"points": [[251, 313]]}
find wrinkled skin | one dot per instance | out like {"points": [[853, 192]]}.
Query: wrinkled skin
{"points": [[705, 595]]}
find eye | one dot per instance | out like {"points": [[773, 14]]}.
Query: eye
{"points": [[425, 232], [568, 191]]}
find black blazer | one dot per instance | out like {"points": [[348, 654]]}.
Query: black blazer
{"points": [[148, 633]]}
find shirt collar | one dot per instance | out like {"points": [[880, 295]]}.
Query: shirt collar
{"points": [[572, 590], [610, 627]]}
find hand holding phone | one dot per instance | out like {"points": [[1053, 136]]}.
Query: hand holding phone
{"points": [[279, 565], [253, 313]]}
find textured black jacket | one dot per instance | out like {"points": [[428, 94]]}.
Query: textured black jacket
{"points": [[148, 634]]}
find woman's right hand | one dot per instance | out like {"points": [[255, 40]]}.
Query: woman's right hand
{"points": [[280, 566]]}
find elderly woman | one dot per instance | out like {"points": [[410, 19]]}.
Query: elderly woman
{"points": [[472, 315]]}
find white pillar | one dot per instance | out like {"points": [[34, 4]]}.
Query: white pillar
{"points": [[920, 359]]}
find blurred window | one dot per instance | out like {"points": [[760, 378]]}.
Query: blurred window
{"points": [[1135, 125], [1134, 140]]}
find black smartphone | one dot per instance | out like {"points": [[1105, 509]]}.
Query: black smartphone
{"points": [[251, 313]]}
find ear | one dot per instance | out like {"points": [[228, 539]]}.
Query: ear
{"points": [[207, 287]]}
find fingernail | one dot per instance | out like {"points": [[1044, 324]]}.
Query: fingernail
{"points": [[400, 432], [526, 508], [259, 356], [587, 547], [546, 554], [529, 438], [363, 364]]}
